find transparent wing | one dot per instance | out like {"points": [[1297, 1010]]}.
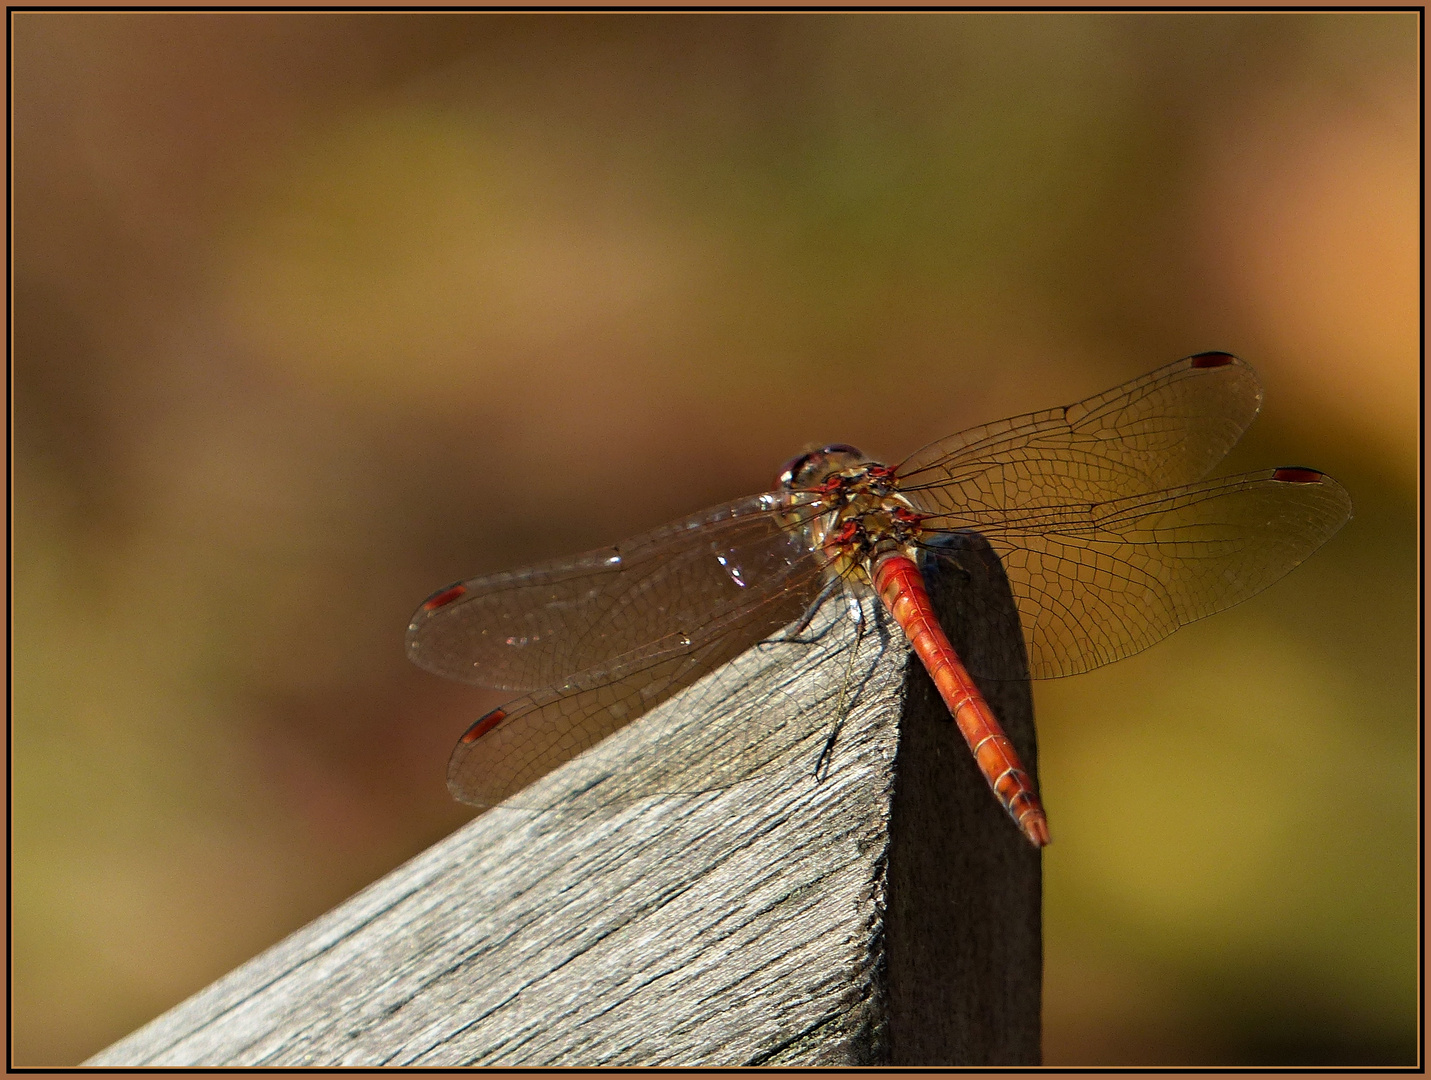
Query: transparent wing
{"points": [[539, 626], [513, 746], [1168, 428], [1097, 581]]}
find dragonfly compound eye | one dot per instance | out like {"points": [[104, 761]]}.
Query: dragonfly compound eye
{"points": [[791, 472], [808, 470]]}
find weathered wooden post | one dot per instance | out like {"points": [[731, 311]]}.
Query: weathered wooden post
{"points": [[884, 911], [964, 921]]}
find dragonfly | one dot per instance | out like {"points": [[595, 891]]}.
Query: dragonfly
{"points": [[1109, 530]]}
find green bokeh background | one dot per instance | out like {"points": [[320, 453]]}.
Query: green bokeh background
{"points": [[316, 313]]}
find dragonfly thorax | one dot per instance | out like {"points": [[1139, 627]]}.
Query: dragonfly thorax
{"points": [[858, 513]]}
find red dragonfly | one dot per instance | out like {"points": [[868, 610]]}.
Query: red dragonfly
{"points": [[1109, 534]]}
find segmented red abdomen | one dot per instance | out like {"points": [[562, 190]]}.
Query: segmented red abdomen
{"points": [[901, 588]]}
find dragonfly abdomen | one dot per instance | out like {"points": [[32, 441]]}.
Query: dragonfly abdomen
{"points": [[901, 588]]}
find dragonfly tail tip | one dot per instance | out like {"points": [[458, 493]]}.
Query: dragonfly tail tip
{"points": [[1035, 827]]}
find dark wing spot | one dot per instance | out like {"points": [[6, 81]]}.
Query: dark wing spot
{"points": [[443, 598], [1298, 476], [484, 725], [1212, 359]]}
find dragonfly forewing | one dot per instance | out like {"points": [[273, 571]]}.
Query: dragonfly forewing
{"points": [[1166, 429], [538, 627]]}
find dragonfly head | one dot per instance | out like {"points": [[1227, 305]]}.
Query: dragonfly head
{"points": [[808, 470]]}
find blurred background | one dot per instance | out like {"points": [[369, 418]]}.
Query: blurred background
{"points": [[316, 313]]}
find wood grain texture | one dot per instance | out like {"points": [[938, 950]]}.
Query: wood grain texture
{"points": [[746, 925]]}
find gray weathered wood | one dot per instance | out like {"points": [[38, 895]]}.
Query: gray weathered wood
{"points": [[803, 916]]}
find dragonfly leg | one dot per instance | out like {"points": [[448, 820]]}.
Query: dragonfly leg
{"points": [[822, 762], [792, 634], [881, 625]]}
